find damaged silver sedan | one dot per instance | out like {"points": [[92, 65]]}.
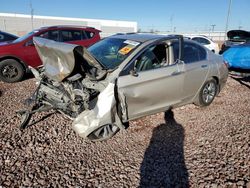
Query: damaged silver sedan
{"points": [[121, 78]]}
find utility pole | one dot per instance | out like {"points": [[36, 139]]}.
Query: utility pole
{"points": [[4, 24], [31, 14], [228, 15], [213, 25], [171, 22]]}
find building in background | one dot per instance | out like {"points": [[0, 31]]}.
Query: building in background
{"points": [[21, 24]]}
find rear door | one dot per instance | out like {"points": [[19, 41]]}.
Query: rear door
{"points": [[196, 69], [154, 89]]}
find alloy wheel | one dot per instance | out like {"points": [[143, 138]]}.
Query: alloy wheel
{"points": [[209, 92]]}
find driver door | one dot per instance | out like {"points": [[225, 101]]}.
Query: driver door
{"points": [[151, 90]]}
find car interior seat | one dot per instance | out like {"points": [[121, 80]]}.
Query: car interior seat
{"points": [[145, 62]]}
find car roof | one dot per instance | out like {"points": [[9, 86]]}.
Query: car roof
{"points": [[66, 26], [142, 37], [194, 36]]}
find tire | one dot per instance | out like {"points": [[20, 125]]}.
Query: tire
{"points": [[11, 71], [104, 132], [208, 93]]}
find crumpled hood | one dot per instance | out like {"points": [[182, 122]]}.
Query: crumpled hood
{"points": [[60, 59]]}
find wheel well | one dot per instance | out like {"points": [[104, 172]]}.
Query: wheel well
{"points": [[216, 79], [18, 60], [218, 84]]}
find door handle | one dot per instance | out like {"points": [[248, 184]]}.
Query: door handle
{"points": [[203, 66]]}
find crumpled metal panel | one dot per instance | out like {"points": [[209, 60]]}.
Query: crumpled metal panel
{"points": [[57, 58], [103, 113]]}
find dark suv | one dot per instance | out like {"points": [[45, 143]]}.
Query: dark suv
{"points": [[4, 37], [16, 56]]}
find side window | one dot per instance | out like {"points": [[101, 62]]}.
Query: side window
{"points": [[193, 53], [52, 35], [176, 50], [201, 40], [84, 35], [197, 39], [45, 35], [89, 34], [71, 35], [204, 41], [152, 58]]}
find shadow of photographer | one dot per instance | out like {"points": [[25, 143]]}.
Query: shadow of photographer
{"points": [[163, 164]]}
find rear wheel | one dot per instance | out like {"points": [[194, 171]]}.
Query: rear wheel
{"points": [[104, 132], [208, 93], [11, 71]]}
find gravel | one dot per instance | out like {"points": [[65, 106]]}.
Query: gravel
{"points": [[191, 147]]}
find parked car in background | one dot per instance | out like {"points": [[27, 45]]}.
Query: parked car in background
{"points": [[123, 77], [235, 37], [5, 37], [205, 41], [238, 57], [16, 56]]}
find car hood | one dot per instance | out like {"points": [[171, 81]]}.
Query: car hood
{"points": [[61, 59]]}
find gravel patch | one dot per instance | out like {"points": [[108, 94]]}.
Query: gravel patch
{"points": [[191, 147]]}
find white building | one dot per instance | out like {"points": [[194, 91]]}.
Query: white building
{"points": [[21, 24]]}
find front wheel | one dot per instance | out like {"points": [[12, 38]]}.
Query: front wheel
{"points": [[11, 71], [104, 132], [208, 93]]}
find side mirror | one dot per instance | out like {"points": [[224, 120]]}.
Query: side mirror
{"points": [[133, 73], [29, 43]]}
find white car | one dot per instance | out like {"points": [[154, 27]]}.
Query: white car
{"points": [[211, 45]]}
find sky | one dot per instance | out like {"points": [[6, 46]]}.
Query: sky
{"points": [[162, 15]]}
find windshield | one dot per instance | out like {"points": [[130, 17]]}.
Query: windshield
{"points": [[25, 36], [111, 52]]}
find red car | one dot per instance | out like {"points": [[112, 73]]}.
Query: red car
{"points": [[16, 56]]}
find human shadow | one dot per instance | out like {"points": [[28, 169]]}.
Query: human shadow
{"points": [[163, 164]]}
